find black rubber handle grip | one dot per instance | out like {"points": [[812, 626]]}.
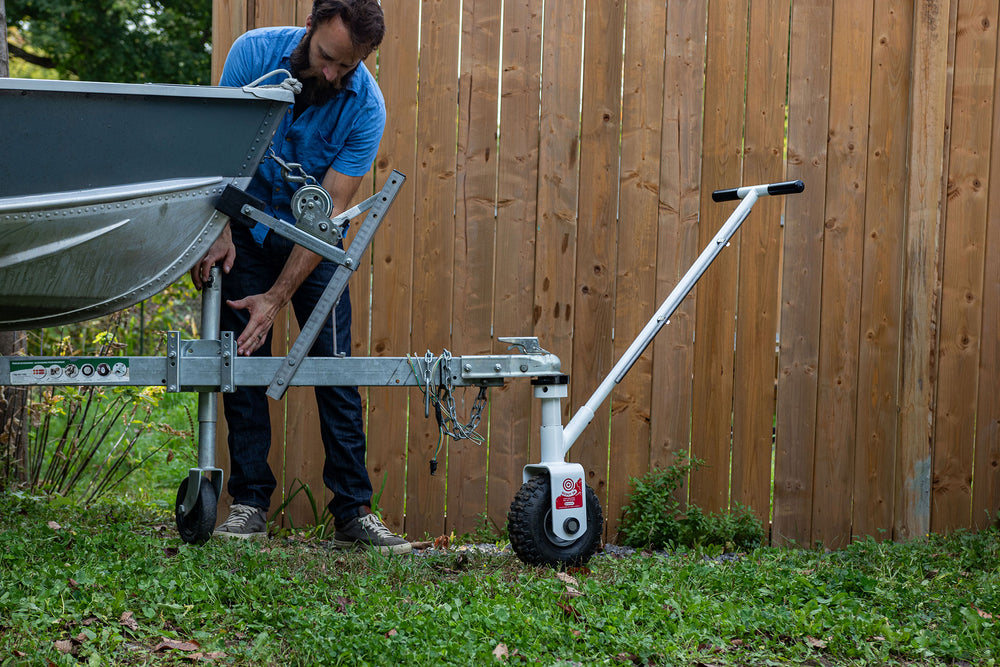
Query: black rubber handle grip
{"points": [[785, 188]]}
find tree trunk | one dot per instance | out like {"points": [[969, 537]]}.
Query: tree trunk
{"points": [[4, 58]]}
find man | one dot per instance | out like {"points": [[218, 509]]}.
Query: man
{"points": [[333, 131]]}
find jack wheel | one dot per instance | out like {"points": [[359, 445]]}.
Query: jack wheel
{"points": [[197, 526], [530, 527]]}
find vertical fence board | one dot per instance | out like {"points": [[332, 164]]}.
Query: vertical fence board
{"points": [[475, 230], [842, 257], [964, 254], [801, 287], [677, 234], [594, 311], [635, 289], [517, 189], [759, 266], [393, 261], [558, 184], [920, 295], [986, 482], [229, 21], [878, 362], [434, 244], [711, 428]]}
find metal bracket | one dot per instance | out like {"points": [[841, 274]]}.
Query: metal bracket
{"points": [[200, 352], [527, 344]]}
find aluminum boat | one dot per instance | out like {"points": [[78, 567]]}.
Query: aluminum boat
{"points": [[107, 190]]}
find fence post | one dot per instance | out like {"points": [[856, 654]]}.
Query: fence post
{"points": [[924, 201]]}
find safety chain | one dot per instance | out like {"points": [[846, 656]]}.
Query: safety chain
{"points": [[287, 169], [445, 411]]}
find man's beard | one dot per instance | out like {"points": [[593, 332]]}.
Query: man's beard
{"points": [[316, 90]]}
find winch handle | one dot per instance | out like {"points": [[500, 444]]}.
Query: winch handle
{"points": [[785, 188]]}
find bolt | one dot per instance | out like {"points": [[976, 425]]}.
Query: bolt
{"points": [[281, 382], [172, 388], [524, 368], [467, 368], [497, 368], [571, 525], [227, 388], [323, 226]]}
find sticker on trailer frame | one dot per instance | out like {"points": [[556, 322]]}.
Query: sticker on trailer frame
{"points": [[96, 371]]}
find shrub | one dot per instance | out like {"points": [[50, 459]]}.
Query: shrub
{"points": [[653, 516]]}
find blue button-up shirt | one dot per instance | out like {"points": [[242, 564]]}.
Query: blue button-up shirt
{"points": [[342, 134]]}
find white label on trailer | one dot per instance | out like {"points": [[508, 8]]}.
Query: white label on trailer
{"points": [[95, 371]]}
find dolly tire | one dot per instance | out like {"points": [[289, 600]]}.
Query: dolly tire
{"points": [[530, 527], [197, 526]]}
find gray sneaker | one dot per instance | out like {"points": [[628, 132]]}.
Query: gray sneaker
{"points": [[244, 521], [369, 531]]}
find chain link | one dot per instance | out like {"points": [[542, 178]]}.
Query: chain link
{"points": [[443, 400], [288, 169]]}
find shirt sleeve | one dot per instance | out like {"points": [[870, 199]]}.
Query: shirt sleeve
{"points": [[238, 70]]}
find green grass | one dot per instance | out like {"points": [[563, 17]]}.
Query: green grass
{"points": [[114, 585]]}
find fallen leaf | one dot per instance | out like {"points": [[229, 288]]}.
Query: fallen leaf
{"points": [[983, 614], [500, 652], [815, 643], [64, 645], [175, 645], [441, 542], [127, 621], [566, 579], [569, 610], [53, 525], [391, 633], [205, 657], [90, 620], [80, 638], [170, 552]]}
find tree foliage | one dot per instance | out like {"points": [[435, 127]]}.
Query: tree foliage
{"points": [[128, 41]]}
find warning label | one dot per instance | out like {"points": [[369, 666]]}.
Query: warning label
{"points": [[96, 371]]}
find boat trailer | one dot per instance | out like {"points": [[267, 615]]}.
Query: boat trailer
{"points": [[555, 518]]}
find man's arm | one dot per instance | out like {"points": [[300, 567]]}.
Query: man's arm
{"points": [[264, 308]]}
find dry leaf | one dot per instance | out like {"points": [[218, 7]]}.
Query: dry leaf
{"points": [[127, 621], [175, 645], [53, 525], [500, 652], [391, 633], [983, 614], [64, 645], [441, 542], [205, 657], [569, 610], [566, 579], [815, 643]]}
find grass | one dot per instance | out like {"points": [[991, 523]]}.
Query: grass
{"points": [[113, 584]]}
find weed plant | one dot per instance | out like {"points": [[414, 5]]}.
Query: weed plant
{"points": [[654, 516], [113, 585]]}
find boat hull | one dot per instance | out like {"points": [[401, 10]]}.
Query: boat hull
{"points": [[108, 195]]}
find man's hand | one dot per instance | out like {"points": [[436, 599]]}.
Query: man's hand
{"points": [[263, 308], [223, 249]]}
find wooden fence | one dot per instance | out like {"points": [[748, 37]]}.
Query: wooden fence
{"points": [[560, 165]]}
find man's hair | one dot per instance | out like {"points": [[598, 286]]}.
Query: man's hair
{"points": [[363, 18]]}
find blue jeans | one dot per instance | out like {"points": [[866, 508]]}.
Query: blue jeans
{"points": [[251, 481]]}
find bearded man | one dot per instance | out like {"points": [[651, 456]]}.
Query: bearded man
{"points": [[333, 130]]}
